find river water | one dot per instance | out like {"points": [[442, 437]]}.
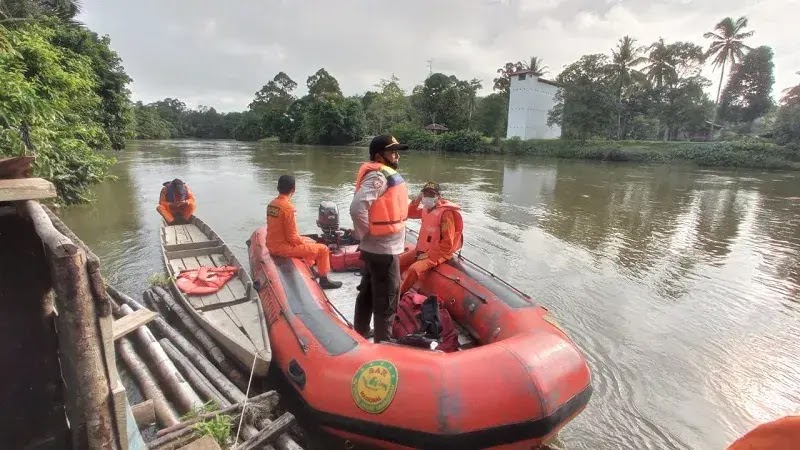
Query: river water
{"points": [[680, 284]]}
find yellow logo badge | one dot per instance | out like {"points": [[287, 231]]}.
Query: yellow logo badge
{"points": [[374, 385]]}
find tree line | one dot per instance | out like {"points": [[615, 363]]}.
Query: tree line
{"points": [[635, 92], [64, 98]]}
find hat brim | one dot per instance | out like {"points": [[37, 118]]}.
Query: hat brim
{"points": [[397, 147]]}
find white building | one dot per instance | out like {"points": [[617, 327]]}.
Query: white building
{"points": [[529, 104]]}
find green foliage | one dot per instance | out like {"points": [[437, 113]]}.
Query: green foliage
{"points": [[219, 427], [585, 106], [49, 105], [461, 141], [158, 279], [445, 100], [415, 136], [491, 115], [786, 129], [745, 153], [207, 407], [333, 121], [747, 95], [386, 107]]}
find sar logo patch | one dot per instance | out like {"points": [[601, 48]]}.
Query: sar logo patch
{"points": [[374, 385], [273, 211]]}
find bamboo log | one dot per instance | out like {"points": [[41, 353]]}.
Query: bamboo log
{"points": [[155, 303], [198, 381], [269, 434], [203, 337], [284, 441], [266, 398], [147, 384], [178, 389], [187, 348], [88, 404]]}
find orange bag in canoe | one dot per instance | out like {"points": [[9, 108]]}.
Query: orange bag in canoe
{"points": [[204, 280]]}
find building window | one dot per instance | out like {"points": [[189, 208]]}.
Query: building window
{"points": [[521, 77]]}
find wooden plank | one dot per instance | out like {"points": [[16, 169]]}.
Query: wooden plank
{"points": [[195, 234], [144, 413], [269, 434], [128, 323], [204, 443], [26, 189], [182, 236], [169, 236], [192, 245], [251, 321], [193, 252], [119, 400]]}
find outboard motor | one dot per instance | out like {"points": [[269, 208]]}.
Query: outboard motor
{"points": [[328, 222]]}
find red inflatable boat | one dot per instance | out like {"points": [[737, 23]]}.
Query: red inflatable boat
{"points": [[516, 389]]}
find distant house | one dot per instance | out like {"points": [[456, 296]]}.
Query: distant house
{"points": [[529, 104]]}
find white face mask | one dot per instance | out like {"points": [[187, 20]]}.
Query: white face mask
{"points": [[428, 202]]}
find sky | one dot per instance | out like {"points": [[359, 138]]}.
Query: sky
{"points": [[219, 53]]}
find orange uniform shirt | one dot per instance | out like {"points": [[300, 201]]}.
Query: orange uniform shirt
{"points": [[446, 247], [281, 224]]}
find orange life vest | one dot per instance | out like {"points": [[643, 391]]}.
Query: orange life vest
{"points": [[204, 280], [388, 213], [431, 230]]}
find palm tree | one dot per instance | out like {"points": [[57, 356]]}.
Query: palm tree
{"points": [[536, 66], [792, 94], [624, 60], [662, 68], [727, 46]]}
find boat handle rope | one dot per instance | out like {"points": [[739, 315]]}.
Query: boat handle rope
{"points": [[300, 342], [461, 256]]}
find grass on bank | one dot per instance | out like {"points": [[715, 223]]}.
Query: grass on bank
{"points": [[748, 152]]}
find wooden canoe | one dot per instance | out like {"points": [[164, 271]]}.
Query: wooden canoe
{"points": [[233, 316]]}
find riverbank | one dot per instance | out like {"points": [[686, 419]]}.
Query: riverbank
{"points": [[749, 153]]}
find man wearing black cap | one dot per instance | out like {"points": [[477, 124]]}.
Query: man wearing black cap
{"points": [[379, 210]]}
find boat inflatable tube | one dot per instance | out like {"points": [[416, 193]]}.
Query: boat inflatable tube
{"points": [[516, 390]]}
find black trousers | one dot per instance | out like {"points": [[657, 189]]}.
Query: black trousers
{"points": [[378, 294]]}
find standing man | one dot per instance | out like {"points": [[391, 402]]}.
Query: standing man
{"points": [[176, 203], [440, 235], [283, 239], [379, 210]]}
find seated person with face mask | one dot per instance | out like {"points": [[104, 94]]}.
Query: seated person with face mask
{"points": [[440, 235]]}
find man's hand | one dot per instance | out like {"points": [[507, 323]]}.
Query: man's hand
{"points": [[422, 256]]}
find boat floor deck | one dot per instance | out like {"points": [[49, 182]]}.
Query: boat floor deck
{"points": [[229, 309], [344, 299], [31, 401]]}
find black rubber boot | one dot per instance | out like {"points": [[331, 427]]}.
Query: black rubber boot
{"points": [[325, 283]]}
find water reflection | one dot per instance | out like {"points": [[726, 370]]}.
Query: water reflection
{"points": [[680, 284]]}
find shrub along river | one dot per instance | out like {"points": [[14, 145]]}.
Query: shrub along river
{"points": [[680, 284]]}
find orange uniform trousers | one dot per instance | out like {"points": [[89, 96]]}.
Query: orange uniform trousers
{"points": [[309, 251], [169, 210]]}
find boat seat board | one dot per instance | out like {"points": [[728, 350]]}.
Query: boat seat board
{"points": [[183, 234], [231, 292]]}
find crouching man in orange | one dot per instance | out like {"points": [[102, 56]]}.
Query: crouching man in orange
{"points": [[283, 239], [176, 203], [440, 235]]}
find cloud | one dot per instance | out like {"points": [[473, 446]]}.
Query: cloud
{"points": [[220, 53]]}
